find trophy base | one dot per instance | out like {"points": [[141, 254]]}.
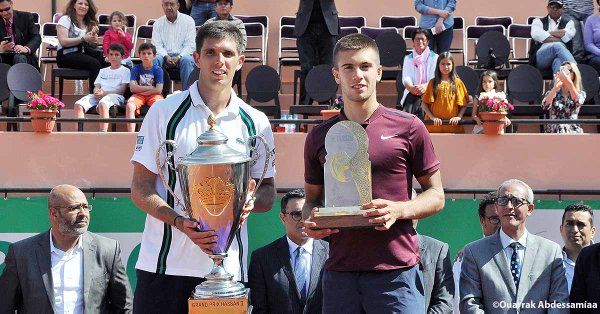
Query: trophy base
{"points": [[350, 217], [219, 283], [238, 305]]}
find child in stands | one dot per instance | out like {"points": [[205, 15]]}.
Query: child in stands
{"points": [[446, 97], [109, 87], [146, 83], [488, 83], [118, 35]]}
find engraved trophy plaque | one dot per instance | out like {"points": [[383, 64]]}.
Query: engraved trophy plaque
{"points": [[214, 181], [347, 174]]}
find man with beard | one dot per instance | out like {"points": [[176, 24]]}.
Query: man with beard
{"points": [[66, 269], [285, 275]]}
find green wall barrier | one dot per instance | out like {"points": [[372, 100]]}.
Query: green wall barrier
{"points": [[120, 219]]}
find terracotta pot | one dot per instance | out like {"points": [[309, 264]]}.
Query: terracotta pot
{"points": [[493, 122], [42, 121], [329, 113]]}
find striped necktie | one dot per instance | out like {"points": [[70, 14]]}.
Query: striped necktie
{"points": [[9, 29]]}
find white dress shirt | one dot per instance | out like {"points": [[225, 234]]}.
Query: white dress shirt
{"points": [[508, 251], [539, 34], [308, 249], [569, 268], [174, 38], [67, 279]]}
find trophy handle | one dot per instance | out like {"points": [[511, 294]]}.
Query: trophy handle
{"points": [[255, 159], [167, 161]]}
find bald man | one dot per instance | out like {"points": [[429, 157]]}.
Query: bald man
{"points": [[66, 269]]}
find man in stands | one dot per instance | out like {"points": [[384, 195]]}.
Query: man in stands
{"points": [[578, 11], [552, 35], [376, 268], [224, 8], [19, 36], [577, 230], [173, 35]]}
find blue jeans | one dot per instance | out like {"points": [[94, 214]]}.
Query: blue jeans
{"points": [[553, 55], [391, 291], [441, 42], [202, 11], [186, 65]]}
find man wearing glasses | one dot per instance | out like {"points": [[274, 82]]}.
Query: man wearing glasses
{"points": [[19, 35], [285, 276], [512, 266], [66, 269]]}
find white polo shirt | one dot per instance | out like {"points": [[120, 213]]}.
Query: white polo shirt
{"points": [[182, 117]]}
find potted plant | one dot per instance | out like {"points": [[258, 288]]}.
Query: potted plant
{"points": [[43, 110], [334, 108], [493, 108]]}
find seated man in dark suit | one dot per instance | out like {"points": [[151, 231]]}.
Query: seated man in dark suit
{"points": [[285, 275], [19, 36], [66, 269], [437, 274]]}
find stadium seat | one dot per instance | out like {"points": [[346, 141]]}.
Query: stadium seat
{"points": [[321, 85], [263, 85], [21, 78]]}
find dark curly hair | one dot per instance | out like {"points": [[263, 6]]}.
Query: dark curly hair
{"points": [[488, 199], [579, 207], [297, 193]]}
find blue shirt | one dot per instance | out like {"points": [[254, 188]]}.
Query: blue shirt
{"points": [[145, 77], [428, 20]]}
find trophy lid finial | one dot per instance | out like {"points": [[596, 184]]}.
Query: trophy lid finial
{"points": [[212, 122]]}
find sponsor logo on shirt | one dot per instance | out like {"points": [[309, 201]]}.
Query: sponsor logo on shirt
{"points": [[139, 143]]}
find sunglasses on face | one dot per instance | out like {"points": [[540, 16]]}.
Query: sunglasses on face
{"points": [[515, 201], [296, 215], [5, 9]]}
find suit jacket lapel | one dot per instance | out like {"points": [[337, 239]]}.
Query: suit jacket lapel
{"points": [[283, 253], [89, 253], [319, 257], [500, 258], [529, 260], [44, 261]]}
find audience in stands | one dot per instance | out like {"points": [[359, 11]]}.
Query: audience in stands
{"points": [[66, 269], [224, 8], [577, 231], [551, 35], [316, 28], [591, 36], [436, 15], [23, 33], [490, 222], [437, 273], [445, 97], [109, 88], [201, 10], [512, 265], [185, 6], [565, 98], [146, 83], [578, 11], [488, 83], [118, 35], [173, 36], [273, 291], [417, 70], [78, 40]]}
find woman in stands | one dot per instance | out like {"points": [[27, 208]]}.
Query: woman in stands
{"points": [[437, 16], [446, 97], [417, 70], [591, 38], [80, 47], [565, 98]]}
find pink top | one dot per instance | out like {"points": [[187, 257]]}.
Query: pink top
{"points": [[113, 37]]}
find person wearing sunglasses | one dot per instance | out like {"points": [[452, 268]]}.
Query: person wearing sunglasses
{"points": [[512, 266], [285, 275], [19, 36], [66, 269]]}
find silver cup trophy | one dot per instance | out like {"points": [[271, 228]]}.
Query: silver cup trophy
{"points": [[214, 181]]}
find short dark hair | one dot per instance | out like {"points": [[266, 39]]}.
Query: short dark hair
{"points": [[147, 46], [220, 30], [297, 193], [423, 31], [578, 207], [354, 42], [488, 199], [117, 47]]}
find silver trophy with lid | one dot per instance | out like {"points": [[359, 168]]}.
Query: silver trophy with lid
{"points": [[214, 181]]}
